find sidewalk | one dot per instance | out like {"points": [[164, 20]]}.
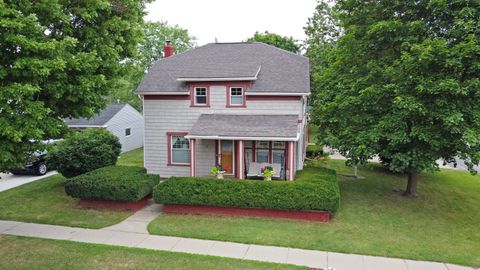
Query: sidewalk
{"points": [[9, 181], [310, 258]]}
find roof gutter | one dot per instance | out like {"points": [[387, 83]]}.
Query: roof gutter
{"points": [[275, 94], [163, 93], [225, 79], [216, 137], [87, 126]]}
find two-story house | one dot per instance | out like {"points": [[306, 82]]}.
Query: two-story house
{"points": [[233, 104]]}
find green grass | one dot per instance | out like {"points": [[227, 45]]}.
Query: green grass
{"points": [[442, 224], [131, 158], [313, 133], [45, 201], [33, 253]]}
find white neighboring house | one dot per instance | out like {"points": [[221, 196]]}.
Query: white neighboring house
{"points": [[120, 119]]}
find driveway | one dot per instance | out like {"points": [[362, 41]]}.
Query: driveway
{"points": [[8, 181]]}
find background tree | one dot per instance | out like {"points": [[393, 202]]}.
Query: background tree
{"points": [[402, 82], [286, 43], [58, 59], [322, 32], [148, 51]]}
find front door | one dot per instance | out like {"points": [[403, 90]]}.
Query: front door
{"points": [[226, 153]]}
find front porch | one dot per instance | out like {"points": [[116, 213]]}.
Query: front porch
{"points": [[244, 144], [245, 159]]}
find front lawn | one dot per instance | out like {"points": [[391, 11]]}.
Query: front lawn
{"points": [[131, 158], [442, 224], [34, 253], [45, 201]]}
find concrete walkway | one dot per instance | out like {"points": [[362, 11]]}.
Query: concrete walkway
{"points": [[9, 181], [138, 222], [120, 236]]}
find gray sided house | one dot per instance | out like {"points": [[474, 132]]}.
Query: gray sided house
{"points": [[238, 105], [120, 119]]}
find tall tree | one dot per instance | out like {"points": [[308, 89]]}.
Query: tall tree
{"points": [[148, 51], [322, 32], [58, 59], [403, 83], [286, 43]]}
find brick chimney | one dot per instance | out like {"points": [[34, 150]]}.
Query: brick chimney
{"points": [[168, 49]]}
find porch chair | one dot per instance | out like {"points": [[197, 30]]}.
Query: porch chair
{"points": [[253, 170]]}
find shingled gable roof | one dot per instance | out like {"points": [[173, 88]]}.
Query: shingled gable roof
{"points": [[229, 126], [99, 119], [271, 69]]}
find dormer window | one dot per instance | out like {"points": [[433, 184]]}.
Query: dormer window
{"points": [[236, 97], [200, 96]]}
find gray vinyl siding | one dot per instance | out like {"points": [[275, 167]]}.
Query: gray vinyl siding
{"points": [[127, 117], [162, 116]]}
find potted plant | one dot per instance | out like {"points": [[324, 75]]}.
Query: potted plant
{"points": [[267, 173], [218, 171]]}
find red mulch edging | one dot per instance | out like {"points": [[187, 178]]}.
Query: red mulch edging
{"points": [[318, 216], [119, 205]]}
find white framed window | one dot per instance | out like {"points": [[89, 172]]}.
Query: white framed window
{"points": [[236, 96], [200, 96], [262, 144], [180, 150], [278, 145], [262, 151], [128, 132]]}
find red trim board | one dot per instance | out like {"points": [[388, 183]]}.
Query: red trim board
{"points": [[166, 97], [317, 216], [101, 204]]}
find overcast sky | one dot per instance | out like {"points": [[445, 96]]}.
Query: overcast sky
{"points": [[229, 20]]}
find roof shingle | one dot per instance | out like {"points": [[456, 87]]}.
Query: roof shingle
{"points": [[236, 125], [280, 71], [99, 119]]}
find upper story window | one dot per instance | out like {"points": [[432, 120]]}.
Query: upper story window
{"points": [[200, 96], [236, 96], [128, 132]]}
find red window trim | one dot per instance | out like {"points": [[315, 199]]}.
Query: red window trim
{"points": [[229, 93], [169, 143], [192, 95], [244, 86]]}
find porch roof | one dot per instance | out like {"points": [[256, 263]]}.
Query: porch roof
{"points": [[246, 127]]}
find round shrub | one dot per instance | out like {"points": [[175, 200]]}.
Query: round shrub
{"points": [[85, 151]]}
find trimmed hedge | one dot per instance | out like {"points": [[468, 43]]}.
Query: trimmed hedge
{"points": [[113, 183], [314, 151], [317, 191]]}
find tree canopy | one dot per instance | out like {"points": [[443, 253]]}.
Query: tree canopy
{"points": [[149, 50], [286, 43], [58, 59], [402, 82]]}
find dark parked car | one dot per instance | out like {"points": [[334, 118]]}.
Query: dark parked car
{"points": [[35, 165]]}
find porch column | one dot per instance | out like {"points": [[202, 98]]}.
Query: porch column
{"points": [[193, 158], [291, 160], [241, 159]]}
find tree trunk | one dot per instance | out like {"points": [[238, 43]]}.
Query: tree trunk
{"points": [[411, 190], [355, 171]]}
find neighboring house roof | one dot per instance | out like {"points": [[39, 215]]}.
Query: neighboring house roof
{"points": [[99, 119], [269, 68], [245, 126]]}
